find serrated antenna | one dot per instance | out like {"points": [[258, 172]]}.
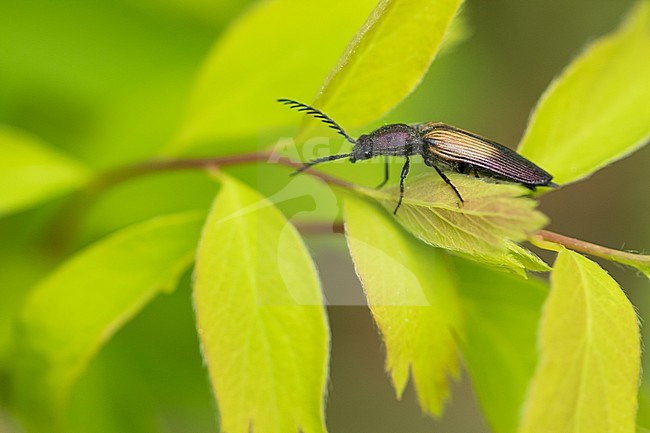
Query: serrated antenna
{"points": [[318, 115]]}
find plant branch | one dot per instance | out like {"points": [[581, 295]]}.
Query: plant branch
{"points": [[128, 172], [542, 237], [121, 174], [320, 228]]}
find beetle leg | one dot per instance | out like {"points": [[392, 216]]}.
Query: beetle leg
{"points": [[405, 172], [448, 182], [386, 173]]}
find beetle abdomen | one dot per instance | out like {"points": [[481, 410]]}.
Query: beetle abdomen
{"points": [[448, 144]]}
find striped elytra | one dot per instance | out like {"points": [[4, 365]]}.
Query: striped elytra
{"points": [[465, 149]]}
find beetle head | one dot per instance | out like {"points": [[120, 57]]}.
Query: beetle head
{"points": [[363, 149]]}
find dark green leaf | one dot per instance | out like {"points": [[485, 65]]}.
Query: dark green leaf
{"points": [[72, 313], [501, 314]]}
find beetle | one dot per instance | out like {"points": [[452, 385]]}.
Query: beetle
{"points": [[443, 147]]}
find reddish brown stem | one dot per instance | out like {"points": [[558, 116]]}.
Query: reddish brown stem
{"points": [[593, 249], [154, 166], [318, 228]]}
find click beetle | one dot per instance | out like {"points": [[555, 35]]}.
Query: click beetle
{"points": [[443, 147]]}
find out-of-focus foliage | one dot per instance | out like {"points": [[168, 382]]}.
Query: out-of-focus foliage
{"points": [[31, 172], [597, 111], [73, 312], [106, 81], [281, 48]]}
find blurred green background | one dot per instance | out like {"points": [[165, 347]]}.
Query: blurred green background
{"points": [[107, 83]]}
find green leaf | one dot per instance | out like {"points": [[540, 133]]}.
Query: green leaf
{"points": [[597, 111], [75, 310], [485, 226], [413, 299], [260, 317], [32, 172], [588, 373], [459, 30], [501, 313], [86, 93], [643, 415], [279, 48], [386, 60]]}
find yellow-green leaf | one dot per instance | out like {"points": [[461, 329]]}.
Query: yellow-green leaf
{"points": [[588, 372], [485, 226], [31, 171], [260, 317], [386, 60], [597, 111], [75, 310], [502, 314], [279, 48], [413, 299]]}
